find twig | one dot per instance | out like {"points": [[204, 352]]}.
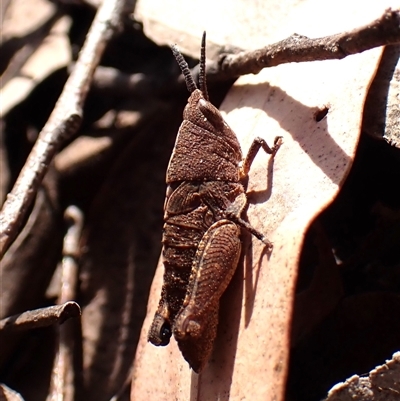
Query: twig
{"points": [[7, 394], [62, 378], [62, 124], [298, 48], [69, 274], [40, 317]]}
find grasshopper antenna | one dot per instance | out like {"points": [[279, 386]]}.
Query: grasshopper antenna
{"points": [[183, 65], [202, 73]]}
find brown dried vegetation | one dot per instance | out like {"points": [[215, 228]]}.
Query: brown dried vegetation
{"points": [[345, 317]]}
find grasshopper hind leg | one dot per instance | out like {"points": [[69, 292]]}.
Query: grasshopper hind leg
{"points": [[233, 213]]}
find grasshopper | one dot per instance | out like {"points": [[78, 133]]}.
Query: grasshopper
{"points": [[205, 198]]}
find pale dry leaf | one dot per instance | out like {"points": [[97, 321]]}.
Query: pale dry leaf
{"points": [[244, 25], [39, 59], [252, 25], [251, 352], [25, 15]]}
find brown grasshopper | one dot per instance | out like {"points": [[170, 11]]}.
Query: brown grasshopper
{"points": [[201, 238]]}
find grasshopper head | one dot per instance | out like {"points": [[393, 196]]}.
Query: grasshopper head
{"points": [[160, 331]]}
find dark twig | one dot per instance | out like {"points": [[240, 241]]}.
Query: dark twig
{"points": [[63, 122], [62, 379], [40, 317], [111, 81], [297, 48], [74, 218]]}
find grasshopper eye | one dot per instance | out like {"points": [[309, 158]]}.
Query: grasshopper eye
{"points": [[165, 333], [211, 113], [160, 331]]}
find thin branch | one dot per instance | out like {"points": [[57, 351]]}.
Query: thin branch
{"points": [[63, 376], [74, 218], [62, 124], [40, 317], [7, 394], [298, 48]]}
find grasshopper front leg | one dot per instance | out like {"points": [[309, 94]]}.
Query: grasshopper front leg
{"points": [[257, 144], [234, 211], [214, 265]]}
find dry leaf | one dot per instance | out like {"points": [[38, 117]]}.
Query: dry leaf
{"points": [[251, 353], [125, 219]]}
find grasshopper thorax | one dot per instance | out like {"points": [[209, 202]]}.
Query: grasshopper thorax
{"points": [[206, 149]]}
